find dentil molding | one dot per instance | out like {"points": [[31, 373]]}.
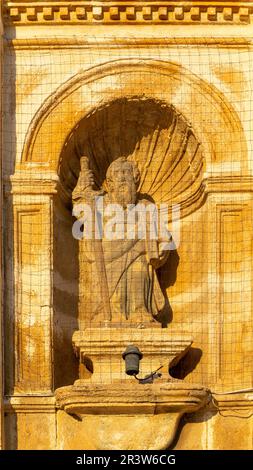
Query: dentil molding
{"points": [[18, 12]]}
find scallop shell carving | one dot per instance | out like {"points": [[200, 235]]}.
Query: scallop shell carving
{"points": [[151, 133]]}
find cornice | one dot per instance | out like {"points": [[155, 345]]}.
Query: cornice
{"points": [[39, 183], [29, 404], [34, 12], [233, 401], [228, 184], [108, 42], [46, 404]]}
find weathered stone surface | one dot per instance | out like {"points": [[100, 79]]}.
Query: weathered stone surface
{"points": [[100, 349], [231, 431], [123, 282], [36, 431], [125, 416], [122, 406], [155, 12], [60, 86], [30, 423]]}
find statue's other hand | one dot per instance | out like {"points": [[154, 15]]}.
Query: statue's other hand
{"points": [[155, 262]]}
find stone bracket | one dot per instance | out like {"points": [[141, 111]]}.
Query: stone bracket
{"points": [[129, 415]]}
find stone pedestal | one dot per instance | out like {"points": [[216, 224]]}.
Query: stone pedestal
{"points": [[109, 410], [100, 351]]}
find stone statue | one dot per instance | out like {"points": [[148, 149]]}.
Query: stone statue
{"points": [[122, 282]]}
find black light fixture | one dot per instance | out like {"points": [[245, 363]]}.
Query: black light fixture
{"points": [[132, 356]]}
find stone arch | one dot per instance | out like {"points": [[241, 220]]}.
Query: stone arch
{"points": [[214, 121]]}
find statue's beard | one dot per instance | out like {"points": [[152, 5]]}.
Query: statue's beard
{"points": [[124, 194]]}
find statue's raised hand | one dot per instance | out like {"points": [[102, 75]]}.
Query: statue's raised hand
{"points": [[86, 180], [86, 174]]}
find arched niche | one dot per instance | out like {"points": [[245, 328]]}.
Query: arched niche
{"points": [[154, 135], [151, 133], [215, 123], [178, 104]]}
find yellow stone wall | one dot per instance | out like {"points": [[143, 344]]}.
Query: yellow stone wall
{"points": [[201, 61]]}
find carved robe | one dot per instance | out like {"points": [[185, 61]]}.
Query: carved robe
{"points": [[132, 283]]}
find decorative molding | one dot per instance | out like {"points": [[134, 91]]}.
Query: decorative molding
{"points": [[226, 215], [48, 183], [155, 341], [40, 43], [165, 70], [228, 184], [47, 404], [233, 245], [233, 401], [31, 183], [123, 12], [29, 404], [129, 398], [109, 414], [32, 287]]}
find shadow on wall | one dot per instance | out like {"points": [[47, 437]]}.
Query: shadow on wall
{"points": [[181, 436], [9, 137], [187, 364], [66, 293], [167, 276], [9, 145]]}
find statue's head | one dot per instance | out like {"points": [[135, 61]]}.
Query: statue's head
{"points": [[122, 179]]}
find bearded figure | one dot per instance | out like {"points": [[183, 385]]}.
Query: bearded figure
{"points": [[121, 283]]}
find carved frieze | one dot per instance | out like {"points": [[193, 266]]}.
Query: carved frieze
{"points": [[127, 12]]}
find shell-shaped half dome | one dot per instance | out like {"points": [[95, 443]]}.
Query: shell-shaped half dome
{"points": [[151, 133]]}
